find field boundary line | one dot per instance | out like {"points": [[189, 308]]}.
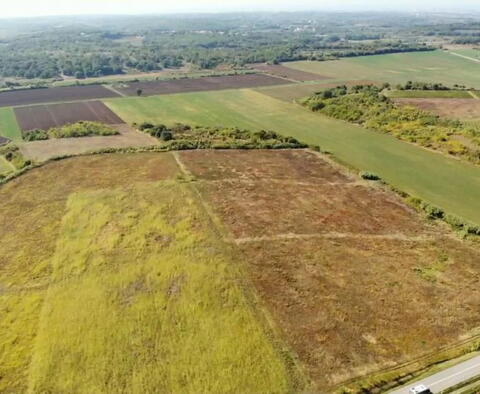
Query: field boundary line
{"points": [[334, 235], [111, 88], [284, 182], [473, 94], [465, 57]]}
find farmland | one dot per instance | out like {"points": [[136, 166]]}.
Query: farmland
{"points": [[437, 66], [297, 91], [188, 321], [38, 96], [278, 238], [200, 84], [323, 257], [55, 115], [288, 73], [44, 150], [407, 167], [452, 94], [464, 109], [8, 125]]}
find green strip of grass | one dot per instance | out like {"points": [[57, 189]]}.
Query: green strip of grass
{"points": [[8, 125], [433, 177], [145, 298]]}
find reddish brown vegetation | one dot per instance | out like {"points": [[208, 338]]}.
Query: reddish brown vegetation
{"points": [[55, 115], [356, 280]]}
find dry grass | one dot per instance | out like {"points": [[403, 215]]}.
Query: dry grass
{"points": [[464, 109], [44, 150], [355, 279]]}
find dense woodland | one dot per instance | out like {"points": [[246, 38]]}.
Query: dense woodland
{"points": [[83, 47]]}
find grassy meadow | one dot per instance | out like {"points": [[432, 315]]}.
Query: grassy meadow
{"points": [[131, 291], [132, 311], [443, 181], [435, 66], [8, 125]]}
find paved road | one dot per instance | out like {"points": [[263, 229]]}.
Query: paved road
{"points": [[447, 378]]}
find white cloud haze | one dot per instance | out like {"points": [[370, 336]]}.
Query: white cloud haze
{"points": [[67, 7]]}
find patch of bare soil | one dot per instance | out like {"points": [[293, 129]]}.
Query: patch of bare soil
{"points": [[44, 150], [449, 108], [55, 115], [288, 73]]}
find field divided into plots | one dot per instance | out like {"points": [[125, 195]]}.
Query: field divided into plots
{"points": [[294, 260], [407, 167]]}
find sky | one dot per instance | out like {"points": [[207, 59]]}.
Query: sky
{"points": [[29, 8]]}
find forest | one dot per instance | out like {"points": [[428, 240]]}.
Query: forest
{"points": [[84, 47]]}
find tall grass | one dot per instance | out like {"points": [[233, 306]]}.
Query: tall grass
{"points": [[146, 299]]}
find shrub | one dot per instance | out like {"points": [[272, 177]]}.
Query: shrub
{"points": [[370, 176], [145, 126], [35, 135], [166, 135]]}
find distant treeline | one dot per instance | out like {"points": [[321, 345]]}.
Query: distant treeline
{"points": [[114, 46]]}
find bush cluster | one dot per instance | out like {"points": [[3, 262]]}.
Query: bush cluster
{"points": [[181, 137], [367, 106], [13, 155], [437, 213], [73, 130]]}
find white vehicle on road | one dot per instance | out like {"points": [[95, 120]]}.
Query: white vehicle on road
{"points": [[420, 389]]}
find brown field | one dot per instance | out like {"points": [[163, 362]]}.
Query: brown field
{"points": [[51, 95], [44, 150], [288, 73], [54, 115], [201, 84], [467, 109], [355, 279]]}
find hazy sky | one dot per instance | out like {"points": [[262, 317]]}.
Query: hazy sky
{"points": [[14, 8]]}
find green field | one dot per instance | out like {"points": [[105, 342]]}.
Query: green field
{"points": [[8, 125], [429, 94], [436, 66], [446, 182], [5, 166]]}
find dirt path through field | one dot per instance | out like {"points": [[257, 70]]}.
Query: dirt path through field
{"points": [[474, 95], [335, 235], [465, 57]]}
